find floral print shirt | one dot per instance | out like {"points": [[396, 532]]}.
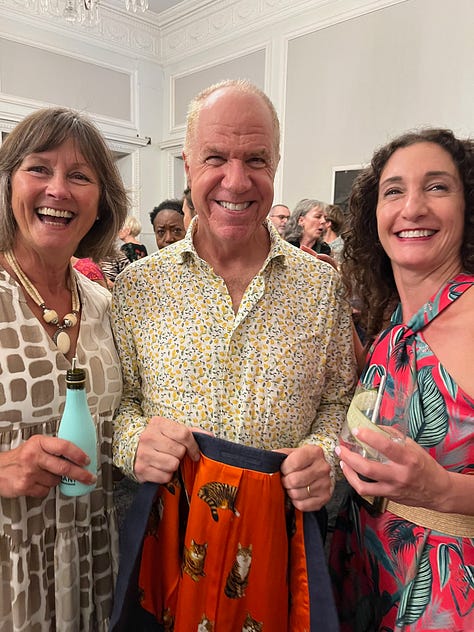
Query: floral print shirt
{"points": [[279, 373]]}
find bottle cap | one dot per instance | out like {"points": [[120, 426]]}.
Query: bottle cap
{"points": [[75, 375]]}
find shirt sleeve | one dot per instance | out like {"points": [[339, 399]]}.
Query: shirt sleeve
{"points": [[339, 380], [112, 266], [129, 421]]}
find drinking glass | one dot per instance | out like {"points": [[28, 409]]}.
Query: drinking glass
{"points": [[387, 415], [364, 412]]}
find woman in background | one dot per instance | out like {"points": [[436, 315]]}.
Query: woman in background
{"points": [[334, 225], [167, 220], [131, 250], [409, 566], [90, 269], [129, 232], [307, 225], [60, 196]]}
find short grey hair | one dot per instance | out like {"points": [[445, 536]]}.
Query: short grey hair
{"points": [[241, 85]]}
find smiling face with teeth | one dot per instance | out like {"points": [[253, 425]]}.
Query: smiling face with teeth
{"points": [[55, 200], [230, 165], [420, 210]]}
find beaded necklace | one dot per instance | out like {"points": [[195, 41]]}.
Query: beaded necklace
{"points": [[50, 316]]}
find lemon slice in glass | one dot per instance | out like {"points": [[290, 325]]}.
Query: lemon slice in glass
{"points": [[359, 416]]}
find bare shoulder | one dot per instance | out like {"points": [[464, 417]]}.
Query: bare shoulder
{"points": [[451, 338]]}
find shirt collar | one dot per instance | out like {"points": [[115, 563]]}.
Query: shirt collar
{"points": [[279, 248]]}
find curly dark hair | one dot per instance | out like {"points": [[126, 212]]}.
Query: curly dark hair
{"points": [[366, 268], [167, 205]]}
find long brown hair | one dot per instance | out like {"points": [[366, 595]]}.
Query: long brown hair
{"points": [[47, 129]]}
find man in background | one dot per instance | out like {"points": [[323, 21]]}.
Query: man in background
{"points": [[188, 207], [279, 215]]}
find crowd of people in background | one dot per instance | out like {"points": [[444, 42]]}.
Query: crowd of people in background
{"points": [[220, 370], [313, 226]]}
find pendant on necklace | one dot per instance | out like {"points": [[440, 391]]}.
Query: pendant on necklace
{"points": [[50, 316], [62, 341]]}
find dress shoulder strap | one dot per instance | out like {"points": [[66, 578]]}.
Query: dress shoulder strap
{"points": [[403, 335], [445, 296]]}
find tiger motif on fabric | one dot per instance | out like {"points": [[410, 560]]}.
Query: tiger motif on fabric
{"points": [[173, 484], [193, 560], [168, 621], [205, 625], [219, 496], [251, 625], [154, 519], [237, 580]]}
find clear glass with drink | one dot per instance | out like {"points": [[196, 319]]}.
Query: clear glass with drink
{"points": [[383, 408]]}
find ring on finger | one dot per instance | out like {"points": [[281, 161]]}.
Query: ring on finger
{"points": [[308, 489]]}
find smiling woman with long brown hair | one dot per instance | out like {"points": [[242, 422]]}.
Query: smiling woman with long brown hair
{"points": [[60, 195]]}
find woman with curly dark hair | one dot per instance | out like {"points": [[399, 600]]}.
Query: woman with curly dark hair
{"points": [[406, 564], [366, 264]]}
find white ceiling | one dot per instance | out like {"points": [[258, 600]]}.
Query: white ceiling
{"points": [[155, 6]]}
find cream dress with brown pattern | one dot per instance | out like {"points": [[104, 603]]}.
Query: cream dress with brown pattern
{"points": [[58, 555]]}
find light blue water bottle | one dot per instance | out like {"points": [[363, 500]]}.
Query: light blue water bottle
{"points": [[77, 426]]}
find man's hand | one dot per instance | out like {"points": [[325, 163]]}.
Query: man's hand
{"points": [[36, 465], [161, 448], [305, 476]]}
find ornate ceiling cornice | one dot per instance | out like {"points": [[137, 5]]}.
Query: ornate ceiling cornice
{"points": [[190, 27], [118, 30], [226, 20]]}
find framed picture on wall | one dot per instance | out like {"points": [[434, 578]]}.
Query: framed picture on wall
{"points": [[342, 179]]}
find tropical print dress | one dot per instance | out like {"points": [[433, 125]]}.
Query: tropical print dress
{"points": [[388, 573]]}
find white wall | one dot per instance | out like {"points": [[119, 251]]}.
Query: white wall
{"points": [[50, 77], [352, 86], [122, 92], [344, 76]]}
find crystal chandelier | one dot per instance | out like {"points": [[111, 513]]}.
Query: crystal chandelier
{"points": [[82, 11]]}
